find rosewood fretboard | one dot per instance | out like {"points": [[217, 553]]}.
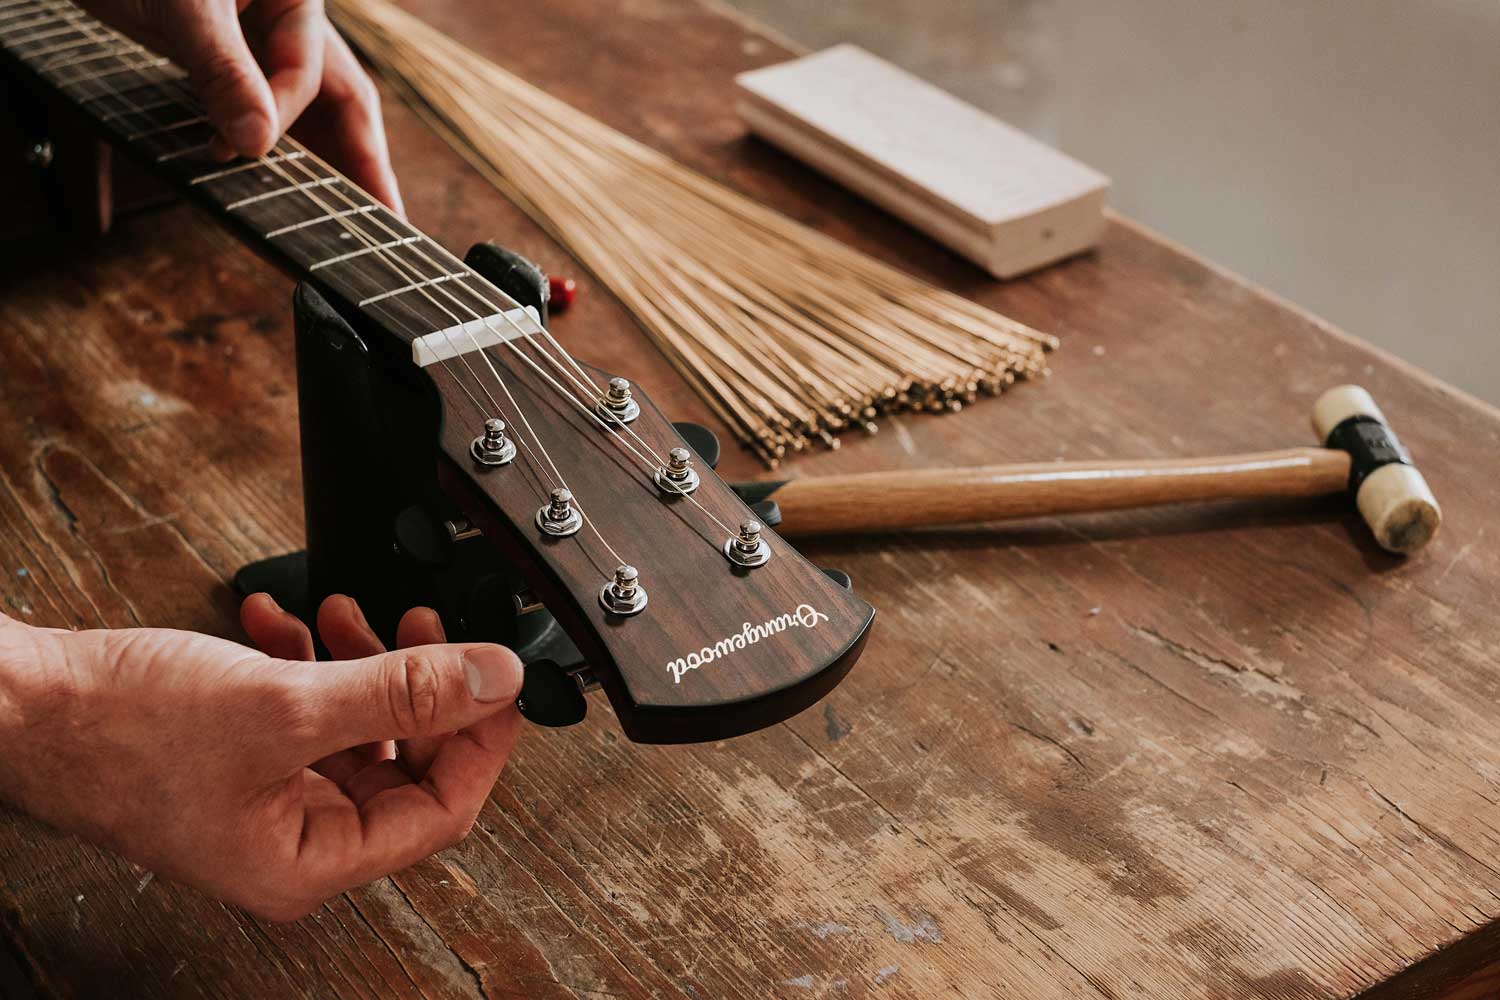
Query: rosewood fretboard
{"points": [[302, 213]]}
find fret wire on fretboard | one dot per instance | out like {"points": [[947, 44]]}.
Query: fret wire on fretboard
{"points": [[303, 211]]}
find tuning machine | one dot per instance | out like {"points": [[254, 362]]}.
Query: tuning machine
{"points": [[617, 405], [552, 696]]}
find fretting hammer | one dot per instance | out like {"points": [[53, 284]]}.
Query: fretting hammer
{"points": [[1361, 455]]}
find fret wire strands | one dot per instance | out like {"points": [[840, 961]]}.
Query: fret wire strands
{"points": [[902, 343], [88, 25], [762, 213], [20, 13], [64, 47], [695, 373], [73, 13]]}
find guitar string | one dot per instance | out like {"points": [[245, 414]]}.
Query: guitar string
{"points": [[87, 26], [583, 407], [371, 243], [395, 263], [462, 356], [612, 427]]}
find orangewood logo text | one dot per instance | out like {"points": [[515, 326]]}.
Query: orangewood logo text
{"points": [[806, 616]]}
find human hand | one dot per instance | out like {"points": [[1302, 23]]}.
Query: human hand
{"points": [[261, 65], [261, 779]]}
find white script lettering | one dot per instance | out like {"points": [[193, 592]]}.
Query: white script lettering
{"points": [[806, 616]]}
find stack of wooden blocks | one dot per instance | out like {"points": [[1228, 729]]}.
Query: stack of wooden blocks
{"points": [[1002, 199]]}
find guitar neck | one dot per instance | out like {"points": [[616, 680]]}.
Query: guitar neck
{"points": [[307, 217]]}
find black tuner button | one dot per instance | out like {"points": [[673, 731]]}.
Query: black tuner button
{"points": [[702, 440], [550, 696], [768, 512], [422, 539], [839, 577]]}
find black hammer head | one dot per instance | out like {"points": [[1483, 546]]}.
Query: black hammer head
{"points": [[1391, 494]]}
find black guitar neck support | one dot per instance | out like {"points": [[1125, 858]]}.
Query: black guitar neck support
{"points": [[379, 530]]}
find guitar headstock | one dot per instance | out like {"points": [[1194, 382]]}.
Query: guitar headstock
{"points": [[720, 634]]}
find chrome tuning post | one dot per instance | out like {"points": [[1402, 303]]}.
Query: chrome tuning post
{"points": [[623, 595], [616, 404], [493, 447], [460, 530], [747, 548], [558, 517], [678, 475]]}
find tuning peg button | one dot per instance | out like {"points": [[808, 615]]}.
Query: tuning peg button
{"points": [[561, 292], [839, 577], [769, 512], [702, 440], [550, 696]]}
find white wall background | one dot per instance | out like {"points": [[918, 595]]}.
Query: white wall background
{"points": [[1343, 153]]}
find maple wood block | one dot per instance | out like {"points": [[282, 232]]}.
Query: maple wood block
{"points": [[991, 192]]}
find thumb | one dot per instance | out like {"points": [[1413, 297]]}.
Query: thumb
{"points": [[408, 693], [233, 90]]}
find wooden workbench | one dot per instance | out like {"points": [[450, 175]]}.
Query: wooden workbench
{"points": [[1231, 751]]}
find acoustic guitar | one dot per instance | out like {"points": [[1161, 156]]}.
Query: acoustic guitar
{"points": [[479, 427]]}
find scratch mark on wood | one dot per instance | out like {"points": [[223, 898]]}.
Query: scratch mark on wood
{"points": [[825, 929], [922, 929], [1053, 741], [1251, 678], [1459, 556], [836, 727], [903, 436], [463, 963]]}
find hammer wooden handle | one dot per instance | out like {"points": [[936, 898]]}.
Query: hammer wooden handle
{"points": [[879, 501]]}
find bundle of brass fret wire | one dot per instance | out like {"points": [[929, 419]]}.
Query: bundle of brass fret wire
{"points": [[790, 336]]}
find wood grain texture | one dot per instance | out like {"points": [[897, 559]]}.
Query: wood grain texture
{"points": [[697, 598], [402, 289], [921, 498], [1229, 751]]}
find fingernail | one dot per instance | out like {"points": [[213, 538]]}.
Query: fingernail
{"points": [[492, 673], [246, 133]]}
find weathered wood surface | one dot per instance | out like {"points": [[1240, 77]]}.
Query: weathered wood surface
{"points": [[1228, 751]]}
